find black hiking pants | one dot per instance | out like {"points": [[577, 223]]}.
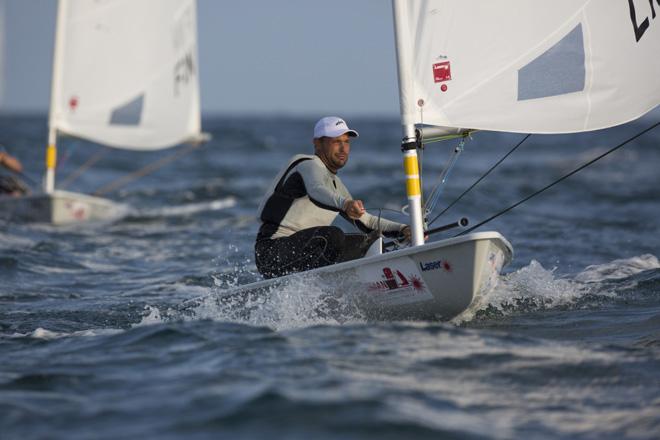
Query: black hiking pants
{"points": [[309, 249]]}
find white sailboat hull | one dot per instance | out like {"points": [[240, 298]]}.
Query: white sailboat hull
{"points": [[59, 208], [438, 280]]}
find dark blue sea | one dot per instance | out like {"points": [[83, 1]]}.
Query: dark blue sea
{"points": [[98, 338]]}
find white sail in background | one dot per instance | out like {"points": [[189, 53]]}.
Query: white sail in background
{"points": [[126, 72], [528, 66]]}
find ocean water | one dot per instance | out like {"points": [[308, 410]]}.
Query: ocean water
{"points": [[98, 339]]}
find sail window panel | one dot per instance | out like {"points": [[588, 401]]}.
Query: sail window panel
{"points": [[558, 71], [129, 114]]}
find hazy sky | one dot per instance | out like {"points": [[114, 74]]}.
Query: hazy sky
{"points": [[259, 56]]}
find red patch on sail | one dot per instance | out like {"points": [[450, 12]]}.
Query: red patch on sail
{"points": [[73, 103], [441, 72]]}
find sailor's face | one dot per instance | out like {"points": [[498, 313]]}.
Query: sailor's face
{"points": [[334, 151]]}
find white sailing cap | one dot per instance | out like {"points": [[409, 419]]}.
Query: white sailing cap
{"points": [[332, 126]]}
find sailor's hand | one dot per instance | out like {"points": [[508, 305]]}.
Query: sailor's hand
{"points": [[406, 233], [354, 209]]}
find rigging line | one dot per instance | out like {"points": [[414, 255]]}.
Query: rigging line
{"points": [[435, 194], [398, 211], [611, 150], [112, 186], [84, 167], [380, 213], [69, 151], [480, 179]]}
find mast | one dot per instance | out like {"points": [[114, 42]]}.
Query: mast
{"points": [[409, 141], [51, 150]]}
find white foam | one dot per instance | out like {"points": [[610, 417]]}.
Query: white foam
{"points": [[536, 282], [302, 300], [533, 284], [536, 288], [618, 269], [153, 316], [188, 209], [42, 333]]}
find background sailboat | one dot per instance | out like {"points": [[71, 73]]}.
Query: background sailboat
{"points": [[125, 75]]}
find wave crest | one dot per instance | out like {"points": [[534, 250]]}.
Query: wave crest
{"points": [[534, 288]]}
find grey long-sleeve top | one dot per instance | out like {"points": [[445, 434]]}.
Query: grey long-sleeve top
{"points": [[306, 194]]}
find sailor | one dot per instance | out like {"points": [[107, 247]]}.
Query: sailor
{"points": [[304, 199], [10, 185]]}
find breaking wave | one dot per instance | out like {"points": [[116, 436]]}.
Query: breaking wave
{"points": [[301, 300], [535, 288]]}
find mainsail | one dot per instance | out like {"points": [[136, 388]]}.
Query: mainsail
{"points": [[527, 66], [126, 73]]}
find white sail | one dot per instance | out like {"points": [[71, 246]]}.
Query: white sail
{"points": [[527, 66], [126, 72]]}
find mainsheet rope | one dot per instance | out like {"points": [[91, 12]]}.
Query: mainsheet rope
{"points": [[84, 167], [112, 186]]}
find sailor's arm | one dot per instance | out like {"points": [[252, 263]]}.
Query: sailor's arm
{"points": [[354, 210], [317, 188], [10, 162], [388, 227]]}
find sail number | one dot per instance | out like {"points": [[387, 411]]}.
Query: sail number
{"points": [[184, 71], [641, 26]]}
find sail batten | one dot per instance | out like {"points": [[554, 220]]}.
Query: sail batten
{"points": [[127, 72], [533, 67]]}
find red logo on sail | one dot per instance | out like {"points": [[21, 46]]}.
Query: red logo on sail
{"points": [[441, 72]]}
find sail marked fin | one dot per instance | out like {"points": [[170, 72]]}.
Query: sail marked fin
{"points": [[128, 114], [558, 71]]}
